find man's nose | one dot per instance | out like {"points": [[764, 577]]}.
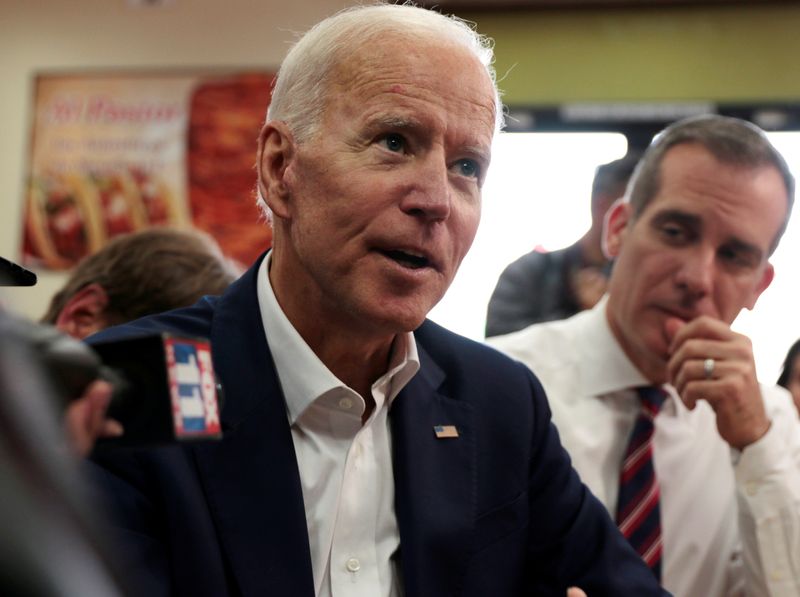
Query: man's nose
{"points": [[430, 195], [696, 272]]}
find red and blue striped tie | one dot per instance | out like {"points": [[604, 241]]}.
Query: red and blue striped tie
{"points": [[638, 512]]}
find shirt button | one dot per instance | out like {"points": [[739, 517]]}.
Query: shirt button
{"points": [[353, 565], [345, 403]]}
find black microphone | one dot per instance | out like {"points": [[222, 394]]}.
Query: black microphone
{"points": [[170, 392], [12, 274], [164, 388]]}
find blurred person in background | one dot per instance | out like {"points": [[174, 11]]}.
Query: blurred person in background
{"points": [[139, 274], [790, 375], [51, 545], [548, 285]]}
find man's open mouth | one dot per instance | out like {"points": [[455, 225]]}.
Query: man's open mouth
{"points": [[409, 260]]}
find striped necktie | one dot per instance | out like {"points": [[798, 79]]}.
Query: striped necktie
{"points": [[638, 512]]}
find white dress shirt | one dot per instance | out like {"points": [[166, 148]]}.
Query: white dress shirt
{"points": [[345, 467], [730, 520]]}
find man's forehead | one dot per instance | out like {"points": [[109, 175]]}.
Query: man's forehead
{"points": [[745, 219], [694, 158], [411, 86], [696, 167], [396, 60]]}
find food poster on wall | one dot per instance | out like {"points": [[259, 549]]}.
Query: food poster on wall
{"points": [[112, 154]]}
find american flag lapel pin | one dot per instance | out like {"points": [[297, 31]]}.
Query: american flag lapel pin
{"points": [[445, 431]]}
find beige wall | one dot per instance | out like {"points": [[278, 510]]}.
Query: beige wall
{"points": [[711, 53]]}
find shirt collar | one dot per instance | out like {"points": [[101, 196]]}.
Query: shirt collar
{"points": [[303, 376], [607, 368]]}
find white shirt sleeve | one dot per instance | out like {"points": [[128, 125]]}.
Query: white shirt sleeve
{"points": [[768, 497]]}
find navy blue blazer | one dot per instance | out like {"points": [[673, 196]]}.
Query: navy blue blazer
{"points": [[496, 512]]}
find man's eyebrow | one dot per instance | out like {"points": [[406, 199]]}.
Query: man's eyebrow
{"points": [[741, 246], [679, 217], [393, 121], [480, 152], [396, 121], [695, 223]]}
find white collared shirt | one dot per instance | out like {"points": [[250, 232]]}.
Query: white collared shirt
{"points": [[345, 467], [730, 520]]}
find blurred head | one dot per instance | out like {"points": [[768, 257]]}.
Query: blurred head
{"points": [[136, 275], [706, 207], [790, 376], [372, 161], [609, 183]]}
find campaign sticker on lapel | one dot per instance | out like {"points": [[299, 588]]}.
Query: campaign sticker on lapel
{"points": [[445, 431]]}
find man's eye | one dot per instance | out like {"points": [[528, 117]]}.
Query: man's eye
{"points": [[737, 258], [394, 142], [468, 168], [673, 233]]}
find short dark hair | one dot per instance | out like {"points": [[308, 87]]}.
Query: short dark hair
{"points": [[614, 176], [729, 140], [610, 181], [148, 272], [786, 373]]}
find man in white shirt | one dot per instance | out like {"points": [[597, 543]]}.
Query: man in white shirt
{"points": [[366, 451], [691, 241]]}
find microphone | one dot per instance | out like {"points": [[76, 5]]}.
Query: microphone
{"points": [[164, 387], [171, 392], [12, 274]]}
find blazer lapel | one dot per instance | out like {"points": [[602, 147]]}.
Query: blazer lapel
{"points": [[435, 484], [251, 477]]}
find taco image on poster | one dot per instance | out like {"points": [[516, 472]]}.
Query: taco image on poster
{"points": [[133, 199], [159, 203], [63, 221], [119, 200], [72, 216]]}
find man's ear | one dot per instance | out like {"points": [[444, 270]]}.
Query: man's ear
{"points": [[766, 279], [616, 221], [84, 313], [275, 152]]}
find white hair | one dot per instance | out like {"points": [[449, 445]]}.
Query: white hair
{"points": [[304, 78], [299, 95]]}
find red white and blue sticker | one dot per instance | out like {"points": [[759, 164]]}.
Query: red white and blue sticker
{"points": [[195, 410]]}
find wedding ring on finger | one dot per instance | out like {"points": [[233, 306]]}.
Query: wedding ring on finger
{"points": [[708, 368]]}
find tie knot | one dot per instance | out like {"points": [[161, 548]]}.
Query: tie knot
{"points": [[652, 398]]}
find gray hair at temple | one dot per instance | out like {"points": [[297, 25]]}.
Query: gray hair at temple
{"points": [[730, 140]]}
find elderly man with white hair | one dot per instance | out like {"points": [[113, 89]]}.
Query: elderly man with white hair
{"points": [[366, 450]]}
